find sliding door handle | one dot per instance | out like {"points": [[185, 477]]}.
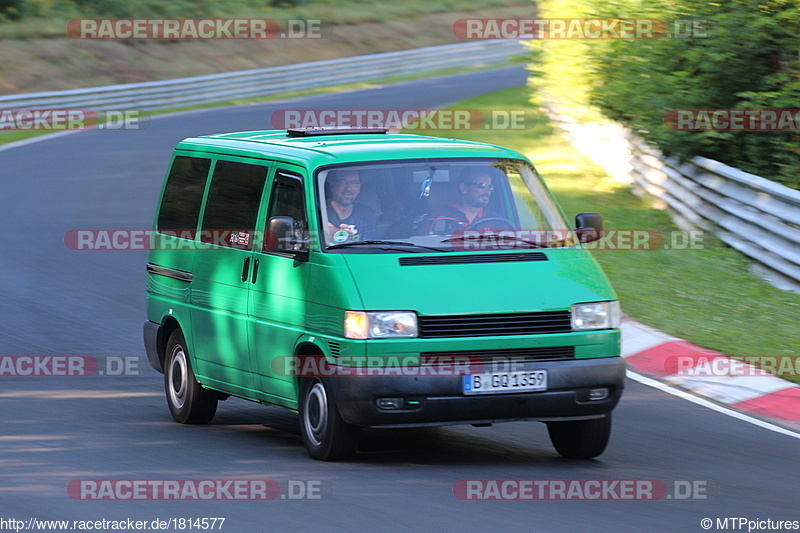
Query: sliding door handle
{"points": [[245, 268]]}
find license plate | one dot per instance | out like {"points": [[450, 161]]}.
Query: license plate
{"points": [[500, 382]]}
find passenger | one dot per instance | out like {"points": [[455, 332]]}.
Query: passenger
{"points": [[344, 213]]}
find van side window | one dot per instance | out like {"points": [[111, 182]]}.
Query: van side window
{"points": [[288, 200], [232, 206], [183, 195]]}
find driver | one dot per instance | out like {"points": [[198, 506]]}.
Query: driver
{"points": [[475, 188]]}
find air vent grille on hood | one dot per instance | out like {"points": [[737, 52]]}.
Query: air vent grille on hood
{"points": [[471, 259]]}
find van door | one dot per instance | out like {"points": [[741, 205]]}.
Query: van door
{"points": [[278, 297], [169, 264], [222, 272]]}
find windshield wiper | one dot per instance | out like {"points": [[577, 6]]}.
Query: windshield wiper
{"points": [[379, 243], [500, 240]]}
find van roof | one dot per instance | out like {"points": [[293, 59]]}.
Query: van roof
{"points": [[347, 147]]}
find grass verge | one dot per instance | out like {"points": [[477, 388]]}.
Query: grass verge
{"points": [[707, 296], [50, 18], [57, 62]]}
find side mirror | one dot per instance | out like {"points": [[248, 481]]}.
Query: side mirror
{"points": [[284, 235], [589, 226]]}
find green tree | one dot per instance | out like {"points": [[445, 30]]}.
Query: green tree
{"points": [[742, 54]]}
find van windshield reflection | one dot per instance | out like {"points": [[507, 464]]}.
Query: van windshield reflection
{"points": [[438, 204]]}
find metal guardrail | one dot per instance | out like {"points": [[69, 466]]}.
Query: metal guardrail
{"points": [[756, 216], [261, 82]]}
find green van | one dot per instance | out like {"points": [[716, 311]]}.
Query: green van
{"points": [[371, 279]]}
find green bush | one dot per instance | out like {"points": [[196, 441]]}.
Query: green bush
{"points": [[10, 9], [149, 8], [747, 60], [128, 8]]}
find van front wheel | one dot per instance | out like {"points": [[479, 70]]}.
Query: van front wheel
{"points": [[188, 401], [327, 437], [580, 439]]}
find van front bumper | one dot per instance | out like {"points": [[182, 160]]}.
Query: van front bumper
{"points": [[442, 401]]}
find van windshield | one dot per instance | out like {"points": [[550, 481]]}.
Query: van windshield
{"points": [[439, 205]]}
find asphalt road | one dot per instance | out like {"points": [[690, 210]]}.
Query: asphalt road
{"points": [[54, 430]]}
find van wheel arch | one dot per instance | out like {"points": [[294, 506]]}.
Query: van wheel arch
{"points": [[170, 324], [306, 349]]}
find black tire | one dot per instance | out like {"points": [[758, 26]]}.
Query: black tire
{"points": [[327, 437], [188, 401], [582, 439]]}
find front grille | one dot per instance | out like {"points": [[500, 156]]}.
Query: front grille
{"points": [[515, 356], [431, 327]]}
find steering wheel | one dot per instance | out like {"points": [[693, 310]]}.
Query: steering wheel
{"points": [[494, 223], [443, 226]]}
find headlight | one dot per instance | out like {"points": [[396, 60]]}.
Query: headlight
{"points": [[379, 324], [597, 315]]}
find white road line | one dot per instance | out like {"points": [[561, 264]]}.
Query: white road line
{"points": [[711, 405], [38, 138]]}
